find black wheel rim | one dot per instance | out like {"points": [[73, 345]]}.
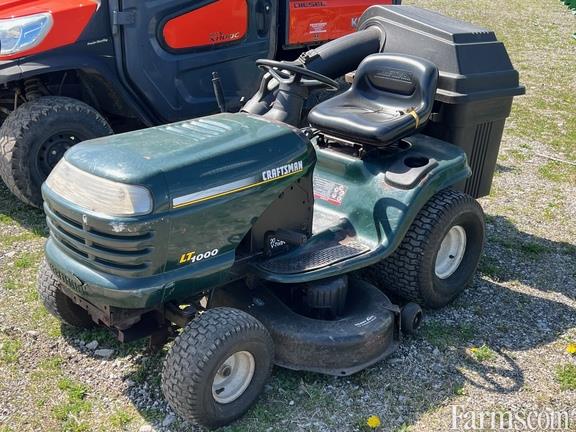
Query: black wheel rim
{"points": [[52, 150]]}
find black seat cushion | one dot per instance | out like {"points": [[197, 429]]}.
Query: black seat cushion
{"points": [[391, 97]]}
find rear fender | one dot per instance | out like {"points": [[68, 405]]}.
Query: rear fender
{"points": [[378, 196]]}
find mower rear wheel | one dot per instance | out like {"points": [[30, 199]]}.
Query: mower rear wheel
{"points": [[217, 367], [34, 137], [58, 303], [438, 257]]}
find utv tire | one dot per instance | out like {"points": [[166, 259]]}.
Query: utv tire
{"points": [[58, 303], [422, 271], [217, 367], [34, 137]]}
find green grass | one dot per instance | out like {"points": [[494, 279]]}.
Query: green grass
{"points": [[11, 241], [528, 248], [558, 172], [533, 249], [24, 261], [550, 212], [52, 363], [9, 350], [121, 419], [566, 376], [459, 390], [444, 335], [491, 267], [70, 411]]}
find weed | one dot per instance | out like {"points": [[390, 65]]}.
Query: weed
{"points": [[549, 213], [10, 285], [9, 350], [443, 335], [518, 155], [70, 411], [566, 376], [459, 390], [533, 249], [52, 363], [483, 353], [24, 261], [491, 267], [121, 418]]}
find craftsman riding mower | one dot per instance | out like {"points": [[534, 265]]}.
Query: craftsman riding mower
{"points": [[261, 243]]}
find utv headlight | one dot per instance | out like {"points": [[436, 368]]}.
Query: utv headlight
{"points": [[98, 194], [21, 34]]}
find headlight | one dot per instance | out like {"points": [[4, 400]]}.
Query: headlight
{"points": [[98, 194], [21, 34]]}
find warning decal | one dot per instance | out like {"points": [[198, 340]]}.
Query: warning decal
{"points": [[329, 191]]}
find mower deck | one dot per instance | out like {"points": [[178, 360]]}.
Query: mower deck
{"points": [[367, 331]]}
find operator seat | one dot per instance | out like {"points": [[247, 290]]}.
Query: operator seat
{"points": [[391, 97]]}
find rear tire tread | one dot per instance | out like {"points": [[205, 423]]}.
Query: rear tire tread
{"points": [[401, 273]]}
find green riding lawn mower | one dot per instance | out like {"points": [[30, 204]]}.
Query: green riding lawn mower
{"points": [[258, 242]]}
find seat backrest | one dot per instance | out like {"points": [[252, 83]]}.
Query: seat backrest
{"points": [[394, 80]]}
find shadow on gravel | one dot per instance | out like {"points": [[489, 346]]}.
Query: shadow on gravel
{"points": [[501, 169], [11, 209], [513, 255]]}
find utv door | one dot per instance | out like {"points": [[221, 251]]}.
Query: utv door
{"points": [[171, 47]]}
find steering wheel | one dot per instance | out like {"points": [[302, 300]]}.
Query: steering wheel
{"points": [[288, 73]]}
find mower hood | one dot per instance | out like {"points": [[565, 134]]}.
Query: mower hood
{"points": [[184, 159]]}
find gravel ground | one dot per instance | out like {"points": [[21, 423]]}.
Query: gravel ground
{"points": [[498, 348]]}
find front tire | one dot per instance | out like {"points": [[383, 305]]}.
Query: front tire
{"points": [[438, 257], [34, 137], [58, 303], [217, 367]]}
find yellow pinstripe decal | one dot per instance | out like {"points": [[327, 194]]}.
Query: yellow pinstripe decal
{"points": [[199, 200]]}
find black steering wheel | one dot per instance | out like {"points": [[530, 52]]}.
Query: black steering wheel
{"points": [[289, 73]]}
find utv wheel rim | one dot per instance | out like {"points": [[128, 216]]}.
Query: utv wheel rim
{"points": [[451, 252], [233, 377], [52, 150]]}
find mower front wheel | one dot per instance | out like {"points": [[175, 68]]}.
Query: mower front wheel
{"points": [[438, 257], [58, 303], [217, 367]]}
